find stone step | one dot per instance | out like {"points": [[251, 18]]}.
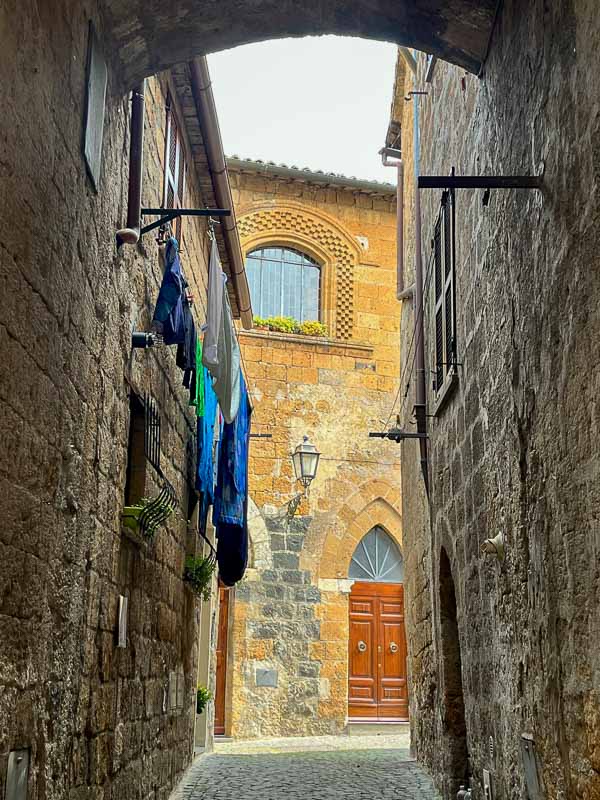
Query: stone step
{"points": [[361, 728]]}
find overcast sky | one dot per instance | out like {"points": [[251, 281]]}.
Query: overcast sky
{"points": [[319, 102]]}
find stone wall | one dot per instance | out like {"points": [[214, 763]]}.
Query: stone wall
{"points": [[98, 720], [514, 450], [290, 615]]}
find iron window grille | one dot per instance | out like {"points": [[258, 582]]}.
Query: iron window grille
{"points": [[144, 448], [152, 433], [443, 245]]}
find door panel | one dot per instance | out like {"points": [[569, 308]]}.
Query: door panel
{"points": [[221, 676], [377, 668], [362, 656]]}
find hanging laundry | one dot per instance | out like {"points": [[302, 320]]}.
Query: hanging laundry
{"points": [[205, 470], [168, 317], [227, 373], [221, 352], [199, 380], [186, 351], [214, 307], [230, 513]]}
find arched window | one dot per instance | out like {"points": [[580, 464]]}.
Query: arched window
{"points": [[377, 558], [283, 283]]}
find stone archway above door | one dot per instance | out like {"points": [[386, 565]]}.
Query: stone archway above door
{"points": [[374, 503], [377, 558], [147, 36]]}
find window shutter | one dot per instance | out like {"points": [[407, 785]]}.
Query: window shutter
{"points": [[449, 286], [174, 167], [439, 309], [445, 312]]}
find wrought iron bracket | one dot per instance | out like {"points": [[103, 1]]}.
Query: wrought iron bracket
{"points": [[169, 214], [294, 505], [397, 435], [480, 182]]}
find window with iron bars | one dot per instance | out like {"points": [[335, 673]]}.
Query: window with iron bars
{"points": [[143, 447], [175, 167], [445, 294]]}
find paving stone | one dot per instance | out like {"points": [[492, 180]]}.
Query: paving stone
{"points": [[335, 774]]}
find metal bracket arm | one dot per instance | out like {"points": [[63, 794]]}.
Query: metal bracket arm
{"points": [[480, 182], [168, 214], [294, 504], [397, 435]]}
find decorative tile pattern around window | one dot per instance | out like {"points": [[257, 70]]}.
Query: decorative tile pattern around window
{"points": [[313, 229]]}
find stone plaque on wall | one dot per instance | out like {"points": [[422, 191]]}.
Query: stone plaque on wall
{"points": [[266, 677]]}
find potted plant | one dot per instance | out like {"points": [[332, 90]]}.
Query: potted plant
{"points": [[198, 573], [290, 325], [260, 324], [160, 511], [312, 328], [202, 698]]}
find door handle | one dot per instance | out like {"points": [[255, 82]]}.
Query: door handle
{"points": [[393, 647], [362, 646]]}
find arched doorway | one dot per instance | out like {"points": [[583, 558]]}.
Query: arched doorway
{"points": [[453, 705], [377, 676]]}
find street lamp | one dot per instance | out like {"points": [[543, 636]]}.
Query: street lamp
{"points": [[305, 459]]}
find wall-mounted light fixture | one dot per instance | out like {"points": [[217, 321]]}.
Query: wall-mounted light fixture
{"points": [[494, 547], [305, 459]]}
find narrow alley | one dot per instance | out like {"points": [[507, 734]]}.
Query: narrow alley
{"points": [[309, 768], [299, 400]]}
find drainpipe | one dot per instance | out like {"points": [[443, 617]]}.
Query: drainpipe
{"points": [[411, 61], [207, 113], [386, 153], [131, 234], [420, 398]]}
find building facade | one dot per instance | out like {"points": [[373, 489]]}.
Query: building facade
{"points": [[100, 635], [289, 629], [504, 651]]}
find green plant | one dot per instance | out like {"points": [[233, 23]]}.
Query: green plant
{"points": [[313, 328], [198, 572], [291, 325], [283, 324], [202, 698], [130, 516]]}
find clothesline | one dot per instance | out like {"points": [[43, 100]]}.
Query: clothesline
{"points": [[213, 370]]}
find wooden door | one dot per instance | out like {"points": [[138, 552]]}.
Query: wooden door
{"points": [[221, 676], [378, 689]]}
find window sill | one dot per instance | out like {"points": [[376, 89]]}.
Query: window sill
{"points": [[321, 343], [446, 392]]}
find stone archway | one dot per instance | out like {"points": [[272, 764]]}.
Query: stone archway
{"points": [[337, 552], [147, 36]]}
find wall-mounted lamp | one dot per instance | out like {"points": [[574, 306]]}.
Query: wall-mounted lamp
{"points": [[305, 459], [494, 547]]}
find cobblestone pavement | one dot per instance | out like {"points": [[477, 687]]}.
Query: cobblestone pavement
{"points": [[334, 774], [295, 744]]}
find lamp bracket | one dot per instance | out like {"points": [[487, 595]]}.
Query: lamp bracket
{"points": [[294, 504], [397, 435]]}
